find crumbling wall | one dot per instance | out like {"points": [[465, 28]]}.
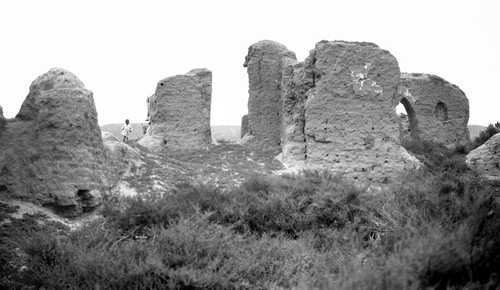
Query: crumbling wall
{"points": [[2, 121], [244, 126], [486, 158], [339, 112], [441, 108], [408, 123], [264, 63], [52, 153], [297, 81], [179, 112], [150, 100]]}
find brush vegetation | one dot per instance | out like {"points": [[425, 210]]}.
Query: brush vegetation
{"points": [[486, 134], [435, 228]]}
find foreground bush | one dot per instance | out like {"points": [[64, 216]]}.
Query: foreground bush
{"points": [[193, 253], [435, 228], [436, 157], [486, 134], [286, 205], [137, 215], [14, 234], [436, 257]]}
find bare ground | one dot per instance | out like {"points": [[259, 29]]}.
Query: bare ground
{"points": [[222, 165]]}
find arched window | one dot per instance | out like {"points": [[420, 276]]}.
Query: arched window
{"points": [[441, 112], [409, 120]]}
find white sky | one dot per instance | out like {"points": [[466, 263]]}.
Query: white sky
{"points": [[121, 49]]}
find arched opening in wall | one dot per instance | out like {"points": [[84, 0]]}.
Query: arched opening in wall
{"points": [[408, 120], [441, 112]]}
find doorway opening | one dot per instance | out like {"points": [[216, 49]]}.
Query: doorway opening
{"points": [[408, 120]]}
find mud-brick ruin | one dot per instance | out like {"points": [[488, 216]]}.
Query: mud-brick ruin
{"points": [[179, 112], [264, 63], [337, 109], [52, 153], [486, 158], [437, 110]]}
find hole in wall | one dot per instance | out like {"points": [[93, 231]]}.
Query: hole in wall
{"points": [[83, 193], [407, 119], [400, 109], [441, 112]]}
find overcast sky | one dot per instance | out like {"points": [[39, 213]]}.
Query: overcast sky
{"points": [[121, 49]]}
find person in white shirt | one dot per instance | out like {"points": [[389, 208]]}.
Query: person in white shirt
{"points": [[126, 129]]}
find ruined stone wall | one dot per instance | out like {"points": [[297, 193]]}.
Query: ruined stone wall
{"points": [[264, 63], [2, 118], [150, 100], [339, 112], [296, 84], [486, 158], [408, 122], [244, 126], [179, 112], [441, 109], [52, 153]]}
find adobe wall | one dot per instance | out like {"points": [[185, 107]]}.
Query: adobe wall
{"points": [[264, 64], [52, 153], [339, 112], [441, 109], [179, 112], [486, 158], [244, 126]]}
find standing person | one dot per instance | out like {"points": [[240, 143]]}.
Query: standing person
{"points": [[126, 128]]}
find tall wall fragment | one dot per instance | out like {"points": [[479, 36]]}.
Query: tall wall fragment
{"points": [[339, 112], [264, 63], [297, 82], [244, 126], [2, 118], [179, 112], [52, 153]]}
